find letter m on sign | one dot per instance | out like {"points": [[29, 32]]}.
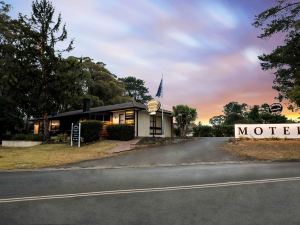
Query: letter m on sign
{"points": [[240, 131], [243, 131]]}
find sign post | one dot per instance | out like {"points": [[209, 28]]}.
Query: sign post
{"points": [[75, 134], [152, 107]]}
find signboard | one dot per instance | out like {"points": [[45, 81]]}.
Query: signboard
{"points": [[286, 130], [75, 134], [153, 106], [275, 108]]}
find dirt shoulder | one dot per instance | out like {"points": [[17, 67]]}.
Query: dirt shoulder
{"points": [[266, 149], [52, 155]]}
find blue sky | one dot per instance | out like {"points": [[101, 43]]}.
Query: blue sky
{"points": [[207, 50]]}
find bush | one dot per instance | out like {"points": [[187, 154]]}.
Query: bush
{"points": [[27, 137], [202, 131], [60, 138], [218, 131], [90, 130], [121, 132], [214, 131], [176, 132], [228, 130]]}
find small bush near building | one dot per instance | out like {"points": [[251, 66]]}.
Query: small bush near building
{"points": [[60, 138], [176, 132], [90, 130], [27, 137], [121, 132]]}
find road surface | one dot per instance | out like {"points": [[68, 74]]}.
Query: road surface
{"points": [[252, 193]]}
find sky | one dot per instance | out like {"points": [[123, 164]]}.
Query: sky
{"points": [[206, 49]]}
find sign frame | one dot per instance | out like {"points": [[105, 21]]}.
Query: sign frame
{"points": [[262, 131], [76, 130], [153, 106]]}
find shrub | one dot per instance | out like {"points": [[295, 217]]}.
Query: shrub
{"points": [[121, 132], [218, 131], [27, 137], [176, 132], [228, 130], [202, 131], [214, 131], [59, 138], [90, 130]]}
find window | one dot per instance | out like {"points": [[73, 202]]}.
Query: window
{"points": [[54, 125], [155, 125], [129, 117], [121, 118]]}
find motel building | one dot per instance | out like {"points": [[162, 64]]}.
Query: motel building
{"points": [[130, 113]]}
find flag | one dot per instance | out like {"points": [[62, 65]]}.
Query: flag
{"points": [[160, 89]]}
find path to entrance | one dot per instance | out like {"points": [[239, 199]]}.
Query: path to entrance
{"points": [[194, 151]]}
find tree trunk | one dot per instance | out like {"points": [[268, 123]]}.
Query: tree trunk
{"points": [[46, 127]]}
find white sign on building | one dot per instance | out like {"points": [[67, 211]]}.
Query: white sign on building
{"points": [[287, 130]]}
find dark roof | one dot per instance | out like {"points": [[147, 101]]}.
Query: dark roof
{"points": [[106, 108]]}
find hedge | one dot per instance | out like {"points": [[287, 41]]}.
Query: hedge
{"points": [[202, 131], [90, 130], [27, 137], [121, 132], [214, 131]]}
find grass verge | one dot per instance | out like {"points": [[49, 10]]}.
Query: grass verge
{"points": [[266, 149], [51, 155]]}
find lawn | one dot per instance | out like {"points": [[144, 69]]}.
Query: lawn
{"points": [[51, 155], [266, 149]]}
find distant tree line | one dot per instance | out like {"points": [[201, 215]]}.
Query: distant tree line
{"points": [[234, 113], [37, 81]]}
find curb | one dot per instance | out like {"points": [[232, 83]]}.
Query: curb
{"points": [[143, 166]]}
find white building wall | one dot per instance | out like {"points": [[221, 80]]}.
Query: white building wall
{"points": [[144, 125], [168, 126]]}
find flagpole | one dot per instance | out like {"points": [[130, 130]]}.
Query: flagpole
{"points": [[162, 107]]}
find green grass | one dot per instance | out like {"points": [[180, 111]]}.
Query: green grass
{"points": [[51, 155]]}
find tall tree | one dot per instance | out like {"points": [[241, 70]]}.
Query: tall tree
{"points": [[44, 33], [82, 78], [184, 116], [254, 114], [234, 112], [11, 114], [135, 88], [283, 19]]}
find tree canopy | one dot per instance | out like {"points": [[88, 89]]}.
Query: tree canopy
{"points": [[184, 116], [135, 88], [235, 112], [283, 20]]}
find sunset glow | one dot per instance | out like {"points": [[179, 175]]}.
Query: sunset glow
{"points": [[207, 50]]}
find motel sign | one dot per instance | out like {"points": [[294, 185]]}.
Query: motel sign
{"points": [[286, 130]]}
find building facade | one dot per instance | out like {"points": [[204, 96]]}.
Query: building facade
{"points": [[131, 113]]}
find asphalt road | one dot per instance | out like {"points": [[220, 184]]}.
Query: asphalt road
{"points": [[199, 150], [262, 193]]}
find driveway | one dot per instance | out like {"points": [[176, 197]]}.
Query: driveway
{"points": [[194, 151]]}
